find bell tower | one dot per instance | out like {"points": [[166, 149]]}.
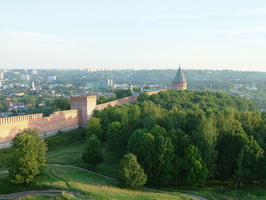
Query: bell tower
{"points": [[179, 82]]}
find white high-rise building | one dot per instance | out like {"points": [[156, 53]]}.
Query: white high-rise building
{"points": [[33, 86], [51, 78], [25, 77], [34, 72], [110, 82], [1, 76]]}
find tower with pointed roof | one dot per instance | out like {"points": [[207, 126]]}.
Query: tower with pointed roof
{"points": [[179, 82]]}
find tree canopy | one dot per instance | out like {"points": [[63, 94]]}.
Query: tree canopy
{"points": [[189, 137]]}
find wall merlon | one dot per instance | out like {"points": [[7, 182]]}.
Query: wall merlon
{"points": [[91, 97]]}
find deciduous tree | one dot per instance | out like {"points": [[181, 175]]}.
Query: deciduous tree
{"points": [[115, 134], [194, 167], [28, 157], [62, 103], [94, 127], [130, 173]]}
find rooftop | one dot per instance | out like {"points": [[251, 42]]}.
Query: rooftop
{"points": [[179, 77]]}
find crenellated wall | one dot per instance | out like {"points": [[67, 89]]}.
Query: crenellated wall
{"points": [[82, 107], [58, 121], [20, 118], [130, 99]]}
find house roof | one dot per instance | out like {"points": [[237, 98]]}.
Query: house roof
{"points": [[179, 77]]}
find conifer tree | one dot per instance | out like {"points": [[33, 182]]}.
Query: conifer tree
{"points": [[92, 155]]}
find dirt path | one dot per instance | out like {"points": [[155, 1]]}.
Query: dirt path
{"points": [[82, 169], [74, 193], [195, 196], [40, 192]]}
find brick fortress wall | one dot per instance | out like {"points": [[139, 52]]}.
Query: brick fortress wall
{"points": [[58, 121], [82, 108], [130, 99]]}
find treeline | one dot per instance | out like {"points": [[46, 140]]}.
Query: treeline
{"points": [[118, 94], [187, 137]]}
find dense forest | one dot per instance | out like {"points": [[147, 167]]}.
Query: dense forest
{"points": [[187, 137]]}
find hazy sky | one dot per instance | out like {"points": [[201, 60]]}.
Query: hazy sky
{"points": [[198, 34]]}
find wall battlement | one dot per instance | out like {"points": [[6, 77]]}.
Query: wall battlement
{"points": [[20, 118], [83, 96]]}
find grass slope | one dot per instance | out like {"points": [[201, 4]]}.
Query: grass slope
{"points": [[71, 155], [89, 185], [247, 192]]}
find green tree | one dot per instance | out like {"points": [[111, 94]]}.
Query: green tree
{"points": [[1, 107], [239, 154], [28, 158], [94, 127], [143, 97], [130, 174], [194, 167], [150, 114], [92, 155], [164, 162], [142, 145], [4, 106], [205, 138], [261, 175], [121, 93], [102, 99], [62, 103], [133, 115], [115, 136]]}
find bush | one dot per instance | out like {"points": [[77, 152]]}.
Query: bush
{"points": [[130, 173]]}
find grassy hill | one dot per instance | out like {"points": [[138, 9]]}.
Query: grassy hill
{"points": [[86, 185]]}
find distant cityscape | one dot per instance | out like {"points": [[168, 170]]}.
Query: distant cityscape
{"points": [[22, 89]]}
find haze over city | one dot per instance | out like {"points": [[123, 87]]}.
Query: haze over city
{"points": [[133, 34]]}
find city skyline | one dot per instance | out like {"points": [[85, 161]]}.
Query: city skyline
{"points": [[133, 34]]}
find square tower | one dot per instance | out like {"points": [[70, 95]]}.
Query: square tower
{"points": [[85, 106]]}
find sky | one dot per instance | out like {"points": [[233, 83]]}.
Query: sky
{"points": [[135, 34]]}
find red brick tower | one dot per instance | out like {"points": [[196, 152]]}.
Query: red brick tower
{"points": [[179, 82], [85, 105]]}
